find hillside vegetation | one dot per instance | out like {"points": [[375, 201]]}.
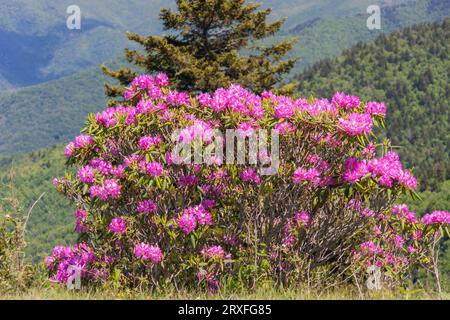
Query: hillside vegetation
{"points": [[26, 178], [327, 37]]}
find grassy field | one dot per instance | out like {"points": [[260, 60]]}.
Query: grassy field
{"points": [[264, 293]]}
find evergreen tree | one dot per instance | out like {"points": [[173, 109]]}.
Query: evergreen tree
{"points": [[211, 44]]}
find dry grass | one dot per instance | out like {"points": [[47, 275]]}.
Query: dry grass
{"points": [[268, 293]]}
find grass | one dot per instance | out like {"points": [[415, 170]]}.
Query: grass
{"points": [[55, 292]]}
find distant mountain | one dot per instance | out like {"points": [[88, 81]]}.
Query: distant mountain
{"points": [[327, 37], [36, 46], [42, 115], [410, 71]]}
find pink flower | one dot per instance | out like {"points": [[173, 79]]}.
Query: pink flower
{"points": [[303, 218], [117, 225], [86, 174], [311, 175], [147, 252], [348, 102], [284, 128], [68, 151], [369, 151], [284, 108], [147, 206], [356, 124], [143, 81], [162, 79], [249, 175], [112, 188], [376, 108], [154, 169], [146, 142], [436, 217], [187, 223], [354, 170], [398, 241], [203, 217], [213, 252], [369, 248], [412, 249], [82, 141], [187, 181]]}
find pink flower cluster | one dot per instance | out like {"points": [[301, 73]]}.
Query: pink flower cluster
{"points": [[235, 99], [376, 108], [199, 130], [436, 217], [80, 142], [250, 175], [147, 252], [402, 211], [146, 142], [79, 256], [153, 169], [109, 189], [345, 101], [300, 219], [80, 218], [356, 124], [311, 175], [147, 206], [303, 218], [213, 252], [86, 174], [387, 169], [117, 225], [192, 216]]}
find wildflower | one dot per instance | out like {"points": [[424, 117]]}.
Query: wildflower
{"points": [[154, 169], [213, 252], [356, 124], [249, 175], [187, 223], [376, 108], [117, 225], [146, 142], [147, 252], [202, 216], [86, 174], [147, 206], [436, 217], [345, 101]]}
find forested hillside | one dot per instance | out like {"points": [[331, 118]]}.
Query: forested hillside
{"points": [[327, 37], [27, 177], [410, 71]]}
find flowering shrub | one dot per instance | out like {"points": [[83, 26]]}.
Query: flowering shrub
{"points": [[145, 216]]}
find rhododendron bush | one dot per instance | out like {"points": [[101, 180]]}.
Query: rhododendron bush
{"points": [[147, 216]]}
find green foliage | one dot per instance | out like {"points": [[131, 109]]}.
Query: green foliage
{"points": [[410, 71], [203, 50], [15, 274], [51, 221]]}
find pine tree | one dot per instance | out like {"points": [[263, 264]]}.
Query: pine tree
{"points": [[212, 43]]}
